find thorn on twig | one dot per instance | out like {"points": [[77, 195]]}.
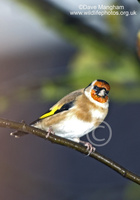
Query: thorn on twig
{"points": [[22, 121], [24, 125]]}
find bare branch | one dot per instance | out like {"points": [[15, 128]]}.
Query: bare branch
{"points": [[62, 141]]}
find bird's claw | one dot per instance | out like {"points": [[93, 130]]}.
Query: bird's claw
{"points": [[50, 131], [90, 148]]}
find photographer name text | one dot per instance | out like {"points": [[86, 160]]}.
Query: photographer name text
{"points": [[100, 7]]}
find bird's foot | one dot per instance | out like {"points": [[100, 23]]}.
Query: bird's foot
{"points": [[50, 131], [89, 146]]}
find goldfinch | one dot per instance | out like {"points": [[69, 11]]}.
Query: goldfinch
{"points": [[76, 114]]}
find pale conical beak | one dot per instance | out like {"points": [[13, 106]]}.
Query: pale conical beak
{"points": [[102, 93]]}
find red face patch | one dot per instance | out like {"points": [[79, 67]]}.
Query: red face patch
{"points": [[97, 98], [102, 84]]}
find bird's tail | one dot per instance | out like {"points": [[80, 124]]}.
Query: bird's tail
{"points": [[18, 134]]}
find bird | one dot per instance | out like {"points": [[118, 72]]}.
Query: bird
{"points": [[76, 114]]}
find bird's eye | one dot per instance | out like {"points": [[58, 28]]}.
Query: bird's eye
{"points": [[107, 92], [95, 87]]}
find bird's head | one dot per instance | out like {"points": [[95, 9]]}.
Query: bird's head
{"points": [[98, 90]]}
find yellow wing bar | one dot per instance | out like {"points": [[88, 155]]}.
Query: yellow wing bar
{"points": [[55, 108]]}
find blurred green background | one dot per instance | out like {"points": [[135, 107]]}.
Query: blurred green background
{"points": [[48, 49]]}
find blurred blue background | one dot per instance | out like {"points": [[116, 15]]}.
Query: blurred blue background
{"points": [[45, 53]]}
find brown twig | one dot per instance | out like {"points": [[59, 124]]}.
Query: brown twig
{"points": [[138, 44], [62, 141]]}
